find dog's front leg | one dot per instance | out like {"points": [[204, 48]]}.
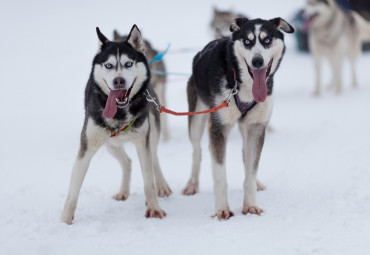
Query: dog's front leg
{"points": [[218, 137], [92, 138], [336, 66], [253, 140], [145, 158], [317, 63]]}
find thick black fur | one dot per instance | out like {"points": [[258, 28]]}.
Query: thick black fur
{"points": [[218, 60]]}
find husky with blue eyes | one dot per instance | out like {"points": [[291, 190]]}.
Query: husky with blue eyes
{"points": [[116, 112], [242, 69]]}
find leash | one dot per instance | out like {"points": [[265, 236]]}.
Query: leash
{"points": [[183, 50], [116, 132], [169, 73], [160, 55], [162, 109]]}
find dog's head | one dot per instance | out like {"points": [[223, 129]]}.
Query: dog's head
{"points": [[221, 21], [317, 12], [150, 52], [120, 69], [259, 44]]}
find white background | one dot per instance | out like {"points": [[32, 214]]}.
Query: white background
{"points": [[316, 163]]}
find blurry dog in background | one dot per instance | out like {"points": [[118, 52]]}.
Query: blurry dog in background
{"points": [[158, 80], [335, 35], [221, 22]]}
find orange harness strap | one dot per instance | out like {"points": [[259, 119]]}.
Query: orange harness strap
{"points": [[215, 109], [162, 109]]}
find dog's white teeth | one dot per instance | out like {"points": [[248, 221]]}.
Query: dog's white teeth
{"points": [[117, 100]]}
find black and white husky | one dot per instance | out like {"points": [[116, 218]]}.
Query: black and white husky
{"points": [[116, 111], [242, 66]]}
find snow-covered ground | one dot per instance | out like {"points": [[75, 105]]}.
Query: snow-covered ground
{"points": [[316, 163]]}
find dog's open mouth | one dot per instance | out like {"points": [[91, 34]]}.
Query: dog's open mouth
{"points": [[122, 98], [116, 98], [259, 76], [309, 20]]}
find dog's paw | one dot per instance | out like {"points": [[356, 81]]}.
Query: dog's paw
{"points": [[67, 218], [224, 214], [269, 128], [164, 190], [260, 186], [190, 189], [121, 196], [252, 210], [316, 93], [155, 213]]}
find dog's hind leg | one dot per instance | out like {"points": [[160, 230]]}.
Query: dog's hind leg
{"points": [[143, 149], [218, 137], [119, 153], [92, 138], [160, 91], [353, 55], [196, 129], [317, 63], [253, 139], [354, 75]]}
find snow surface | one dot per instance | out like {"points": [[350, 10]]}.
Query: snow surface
{"points": [[316, 163]]}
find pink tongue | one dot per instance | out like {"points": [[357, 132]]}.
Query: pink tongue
{"points": [[307, 24], [111, 106], [259, 88]]}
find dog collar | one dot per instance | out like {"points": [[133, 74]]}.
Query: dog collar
{"points": [[117, 131], [243, 107]]}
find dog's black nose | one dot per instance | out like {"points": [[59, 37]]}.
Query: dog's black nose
{"points": [[119, 82], [257, 62]]}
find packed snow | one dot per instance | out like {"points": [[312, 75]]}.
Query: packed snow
{"points": [[315, 164]]}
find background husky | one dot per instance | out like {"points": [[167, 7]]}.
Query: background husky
{"points": [[252, 55], [115, 106], [158, 80], [334, 35], [221, 22]]}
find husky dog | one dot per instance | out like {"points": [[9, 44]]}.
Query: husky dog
{"points": [[247, 62], [158, 80], [116, 111], [221, 22], [335, 35]]}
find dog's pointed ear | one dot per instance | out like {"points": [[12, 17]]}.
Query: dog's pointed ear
{"points": [[281, 24], [237, 24], [116, 35], [135, 39], [102, 39]]}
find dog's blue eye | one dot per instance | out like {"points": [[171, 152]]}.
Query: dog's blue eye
{"points": [[247, 42], [267, 41], [128, 64], [108, 66]]}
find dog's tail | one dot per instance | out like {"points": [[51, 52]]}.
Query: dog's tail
{"points": [[363, 26]]}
